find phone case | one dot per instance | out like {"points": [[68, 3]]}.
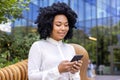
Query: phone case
{"points": [[76, 58]]}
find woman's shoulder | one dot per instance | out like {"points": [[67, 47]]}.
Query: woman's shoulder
{"points": [[74, 45], [39, 42], [77, 46], [68, 45]]}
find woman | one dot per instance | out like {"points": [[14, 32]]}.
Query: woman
{"points": [[49, 58]]}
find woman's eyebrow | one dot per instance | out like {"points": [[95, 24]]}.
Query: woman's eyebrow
{"points": [[61, 22]]}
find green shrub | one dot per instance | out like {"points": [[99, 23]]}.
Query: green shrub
{"points": [[15, 47]]}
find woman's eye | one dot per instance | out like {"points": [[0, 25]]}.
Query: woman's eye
{"points": [[66, 25], [58, 25]]}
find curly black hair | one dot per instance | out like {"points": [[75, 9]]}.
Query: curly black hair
{"points": [[46, 16]]}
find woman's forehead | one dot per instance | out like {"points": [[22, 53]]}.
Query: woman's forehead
{"points": [[60, 18]]}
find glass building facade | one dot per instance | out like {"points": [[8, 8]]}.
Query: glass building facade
{"points": [[91, 13]]}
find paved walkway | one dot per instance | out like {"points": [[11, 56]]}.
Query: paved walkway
{"points": [[107, 77]]}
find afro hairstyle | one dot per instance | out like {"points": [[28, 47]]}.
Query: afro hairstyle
{"points": [[46, 16]]}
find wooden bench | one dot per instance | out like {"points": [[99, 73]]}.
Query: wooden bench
{"points": [[19, 71], [16, 71]]}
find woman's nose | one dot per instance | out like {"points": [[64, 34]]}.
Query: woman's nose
{"points": [[63, 27]]}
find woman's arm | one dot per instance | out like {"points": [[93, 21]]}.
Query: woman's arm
{"points": [[34, 66]]}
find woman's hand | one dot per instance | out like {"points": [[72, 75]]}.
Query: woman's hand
{"points": [[67, 66], [76, 66]]}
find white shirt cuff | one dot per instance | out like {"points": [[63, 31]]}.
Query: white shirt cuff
{"points": [[54, 73], [75, 76]]}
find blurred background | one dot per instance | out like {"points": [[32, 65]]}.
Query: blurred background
{"points": [[98, 30]]}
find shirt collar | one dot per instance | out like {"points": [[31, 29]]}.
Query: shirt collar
{"points": [[53, 41]]}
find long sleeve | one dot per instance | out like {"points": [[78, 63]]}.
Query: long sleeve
{"points": [[34, 66], [44, 75], [75, 76]]}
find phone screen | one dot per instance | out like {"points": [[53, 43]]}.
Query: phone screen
{"points": [[76, 58]]}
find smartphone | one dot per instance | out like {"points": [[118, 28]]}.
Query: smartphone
{"points": [[76, 58]]}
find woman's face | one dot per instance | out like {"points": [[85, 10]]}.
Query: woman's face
{"points": [[60, 27]]}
